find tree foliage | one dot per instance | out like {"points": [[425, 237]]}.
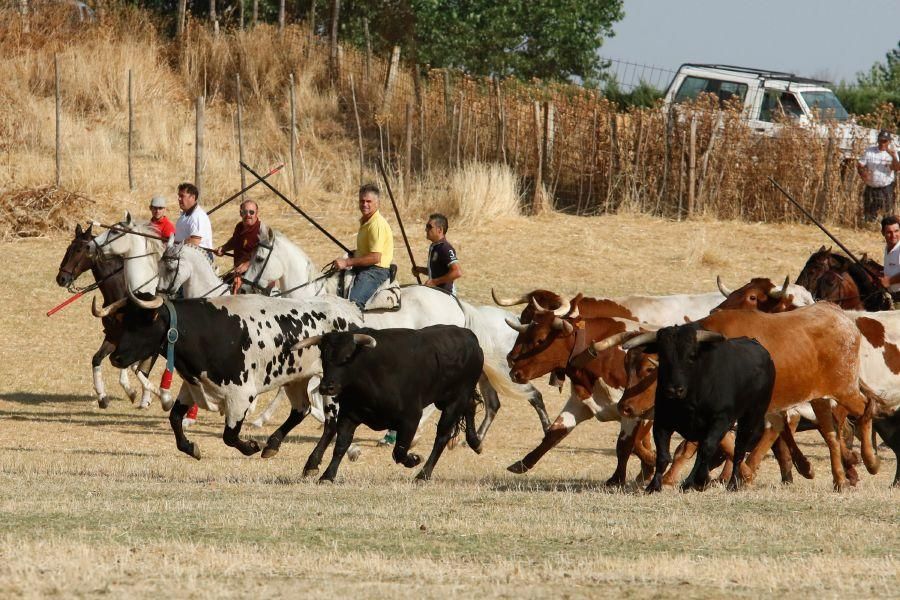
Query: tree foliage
{"points": [[878, 86]]}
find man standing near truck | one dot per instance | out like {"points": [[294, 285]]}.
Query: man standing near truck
{"points": [[876, 167]]}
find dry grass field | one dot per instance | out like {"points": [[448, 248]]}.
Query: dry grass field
{"points": [[96, 502]]}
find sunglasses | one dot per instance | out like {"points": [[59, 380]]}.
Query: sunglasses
{"points": [[429, 227], [244, 213]]}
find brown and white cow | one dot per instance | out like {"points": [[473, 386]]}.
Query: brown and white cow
{"points": [[817, 359], [545, 345]]}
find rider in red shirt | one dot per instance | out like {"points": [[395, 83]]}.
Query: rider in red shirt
{"points": [[158, 217]]}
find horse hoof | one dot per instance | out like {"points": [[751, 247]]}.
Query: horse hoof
{"points": [[103, 402], [311, 472], [195, 451], [325, 479], [614, 482], [478, 449], [517, 467], [423, 478], [269, 452]]}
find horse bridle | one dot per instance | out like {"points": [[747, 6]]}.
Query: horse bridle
{"points": [[255, 283]]}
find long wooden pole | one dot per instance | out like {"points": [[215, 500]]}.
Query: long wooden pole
{"points": [[362, 162], [293, 134], [387, 185]]}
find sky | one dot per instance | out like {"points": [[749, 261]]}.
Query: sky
{"points": [[827, 39]]}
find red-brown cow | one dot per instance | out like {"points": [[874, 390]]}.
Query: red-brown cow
{"points": [[546, 345]]}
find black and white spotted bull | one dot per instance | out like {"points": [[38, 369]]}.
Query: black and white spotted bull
{"points": [[229, 350], [383, 378]]}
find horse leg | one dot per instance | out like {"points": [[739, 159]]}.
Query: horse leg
{"points": [[106, 348]]}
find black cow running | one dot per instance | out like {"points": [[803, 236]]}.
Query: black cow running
{"points": [[705, 384], [383, 378]]}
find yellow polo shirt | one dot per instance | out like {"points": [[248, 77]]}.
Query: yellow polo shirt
{"points": [[375, 235]]}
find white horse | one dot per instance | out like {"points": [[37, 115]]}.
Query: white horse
{"points": [[277, 260]]}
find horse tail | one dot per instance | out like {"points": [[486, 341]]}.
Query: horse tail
{"points": [[502, 384]]}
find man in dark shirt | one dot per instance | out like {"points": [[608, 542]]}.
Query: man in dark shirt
{"points": [[443, 266], [243, 241]]}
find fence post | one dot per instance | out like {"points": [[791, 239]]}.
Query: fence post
{"points": [[407, 162], [537, 199], [182, 15], [23, 9], [335, 14], [692, 166], [293, 151], [58, 118], [501, 122], [312, 29], [393, 67], [255, 12], [547, 150], [213, 18], [368, 50], [241, 16], [130, 130], [280, 16], [198, 147], [613, 161], [240, 130], [447, 96], [359, 134]]}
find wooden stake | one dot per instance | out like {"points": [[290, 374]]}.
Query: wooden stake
{"points": [[359, 134], [501, 123], [393, 68], [255, 12], [407, 159], [240, 130], [692, 167], [292, 98], [280, 15], [58, 119], [198, 147], [182, 16], [335, 14], [130, 130], [537, 199], [368, 50]]}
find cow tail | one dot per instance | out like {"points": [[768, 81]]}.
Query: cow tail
{"points": [[502, 384], [876, 406]]}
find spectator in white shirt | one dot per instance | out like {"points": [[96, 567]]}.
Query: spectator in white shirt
{"points": [[876, 167]]}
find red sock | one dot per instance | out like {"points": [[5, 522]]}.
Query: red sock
{"points": [[192, 412]]}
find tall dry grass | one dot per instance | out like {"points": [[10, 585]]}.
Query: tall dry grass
{"points": [[595, 158]]}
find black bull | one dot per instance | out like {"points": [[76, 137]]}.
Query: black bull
{"points": [[384, 378], [705, 384]]}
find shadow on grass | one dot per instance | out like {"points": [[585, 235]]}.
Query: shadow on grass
{"points": [[559, 485], [31, 399]]}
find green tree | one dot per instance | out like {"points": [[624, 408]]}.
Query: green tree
{"points": [[547, 39], [878, 86]]}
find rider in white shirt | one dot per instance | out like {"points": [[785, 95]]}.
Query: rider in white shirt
{"points": [[193, 226]]}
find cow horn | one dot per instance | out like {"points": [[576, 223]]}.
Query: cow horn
{"points": [[709, 336], [148, 304], [101, 312], [575, 312], [640, 340], [520, 327], [310, 341], [564, 307], [613, 340], [508, 301], [563, 325], [537, 307], [361, 339], [725, 291], [779, 294]]}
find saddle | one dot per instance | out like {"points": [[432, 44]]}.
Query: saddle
{"points": [[386, 297]]}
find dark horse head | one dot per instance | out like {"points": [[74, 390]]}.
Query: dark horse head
{"points": [[818, 263], [852, 287], [77, 258]]}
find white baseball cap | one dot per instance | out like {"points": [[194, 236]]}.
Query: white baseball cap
{"points": [[158, 202]]}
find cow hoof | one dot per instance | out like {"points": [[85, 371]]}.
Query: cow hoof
{"points": [[249, 448], [412, 460], [311, 472], [325, 479], [787, 480], [852, 476], [423, 477], [103, 402], [478, 449], [269, 452], [518, 468], [195, 451], [353, 453], [840, 486], [614, 482]]}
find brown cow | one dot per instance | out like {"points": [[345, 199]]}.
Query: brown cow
{"points": [[816, 355], [546, 345]]}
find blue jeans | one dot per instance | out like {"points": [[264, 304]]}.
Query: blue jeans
{"points": [[366, 282]]}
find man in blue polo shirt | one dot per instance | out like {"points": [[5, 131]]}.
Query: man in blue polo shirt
{"points": [[443, 265]]}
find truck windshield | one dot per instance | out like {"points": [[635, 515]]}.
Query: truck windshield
{"points": [[725, 90], [826, 104]]}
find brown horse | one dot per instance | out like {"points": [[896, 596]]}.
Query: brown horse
{"points": [[837, 278], [111, 279]]}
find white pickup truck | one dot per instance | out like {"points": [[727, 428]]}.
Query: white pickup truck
{"points": [[769, 97]]}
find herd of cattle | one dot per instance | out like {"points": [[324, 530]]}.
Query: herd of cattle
{"points": [[733, 376]]}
